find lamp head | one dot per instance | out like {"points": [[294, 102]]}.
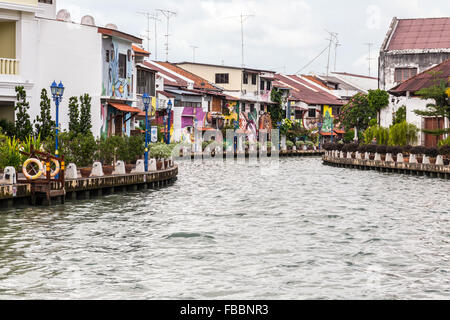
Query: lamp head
{"points": [[169, 105], [146, 100], [54, 89], [60, 91]]}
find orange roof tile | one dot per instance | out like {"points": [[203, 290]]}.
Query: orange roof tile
{"points": [[140, 50]]}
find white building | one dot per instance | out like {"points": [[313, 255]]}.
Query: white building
{"points": [[38, 47]]}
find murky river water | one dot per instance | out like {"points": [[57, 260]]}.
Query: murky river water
{"points": [[235, 231]]}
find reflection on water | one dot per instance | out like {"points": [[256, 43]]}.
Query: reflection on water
{"points": [[237, 232]]}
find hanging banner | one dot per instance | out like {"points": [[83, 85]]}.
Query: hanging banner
{"points": [[154, 134], [327, 119]]}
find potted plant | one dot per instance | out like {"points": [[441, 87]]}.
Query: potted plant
{"points": [[371, 149], [158, 151], [432, 153], [444, 151], [86, 172], [362, 149], [382, 150], [353, 148], [394, 151], [289, 145], [419, 151]]}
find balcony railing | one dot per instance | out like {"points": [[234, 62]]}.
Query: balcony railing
{"points": [[9, 66]]}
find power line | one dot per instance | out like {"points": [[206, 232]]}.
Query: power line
{"points": [[168, 14], [309, 63]]}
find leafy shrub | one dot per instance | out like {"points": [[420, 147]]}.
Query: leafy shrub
{"points": [[402, 134], [371, 148], [419, 150], [362, 148], [444, 150], [394, 150], [289, 144], [407, 149], [353, 147], [83, 148], [10, 155], [160, 151], [441, 143], [431, 152], [382, 149]]}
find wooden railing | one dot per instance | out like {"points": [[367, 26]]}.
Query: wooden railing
{"points": [[9, 66]]}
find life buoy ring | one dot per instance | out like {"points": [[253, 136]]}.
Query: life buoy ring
{"points": [[38, 173], [55, 172]]}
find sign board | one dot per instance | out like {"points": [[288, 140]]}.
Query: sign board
{"points": [[154, 134]]}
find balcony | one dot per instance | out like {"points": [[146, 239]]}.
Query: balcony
{"points": [[9, 66]]}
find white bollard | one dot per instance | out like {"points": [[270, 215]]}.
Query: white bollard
{"points": [[400, 158], [120, 168], [377, 157], [389, 157], [72, 171], [426, 159], [152, 165], [358, 156], [97, 170], [140, 167], [294, 148], [341, 155], [9, 176], [367, 156], [349, 155], [412, 158], [440, 160]]}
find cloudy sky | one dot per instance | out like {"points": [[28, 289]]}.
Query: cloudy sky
{"points": [[282, 35]]}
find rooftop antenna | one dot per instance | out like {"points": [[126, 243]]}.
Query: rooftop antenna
{"points": [[337, 44], [370, 56], [243, 17], [193, 52], [168, 14], [333, 37]]}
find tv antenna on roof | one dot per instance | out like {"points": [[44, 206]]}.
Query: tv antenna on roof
{"points": [[243, 17], [370, 44], [193, 52], [168, 14]]}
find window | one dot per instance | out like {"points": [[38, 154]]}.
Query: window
{"points": [[253, 79], [145, 82], [46, 1], [298, 115], [269, 85], [222, 78], [262, 85], [245, 78], [312, 113], [403, 74], [123, 66], [107, 56], [252, 108]]}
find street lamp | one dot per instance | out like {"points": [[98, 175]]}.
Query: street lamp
{"points": [[57, 93], [169, 111], [146, 100]]}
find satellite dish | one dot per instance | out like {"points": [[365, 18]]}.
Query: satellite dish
{"points": [[111, 26], [88, 21], [63, 15]]}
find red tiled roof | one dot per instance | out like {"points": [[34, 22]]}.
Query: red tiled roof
{"points": [[199, 82], [354, 75], [179, 82], [423, 80], [140, 50], [166, 94], [314, 79], [431, 33], [124, 107], [307, 92]]}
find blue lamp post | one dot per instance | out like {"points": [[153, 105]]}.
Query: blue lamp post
{"points": [[57, 93], [146, 100], [169, 111]]}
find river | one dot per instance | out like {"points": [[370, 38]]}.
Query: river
{"points": [[238, 231]]}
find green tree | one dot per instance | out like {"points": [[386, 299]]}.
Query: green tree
{"points": [[378, 99], [440, 108], [23, 124], [74, 116], [357, 113], [400, 116], [85, 124], [276, 110], [403, 134], [44, 124]]}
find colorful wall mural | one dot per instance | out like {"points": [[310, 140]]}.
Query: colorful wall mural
{"points": [[114, 84], [327, 119]]}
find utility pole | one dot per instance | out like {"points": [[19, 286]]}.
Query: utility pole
{"points": [[243, 19], [370, 56], [151, 16], [193, 52], [168, 14]]}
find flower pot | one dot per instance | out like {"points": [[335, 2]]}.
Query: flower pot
{"points": [[432, 160], [166, 163], [394, 158], [128, 168], [159, 165], [419, 159], [406, 159], [372, 157], [85, 172], [383, 157], [108, 170]]}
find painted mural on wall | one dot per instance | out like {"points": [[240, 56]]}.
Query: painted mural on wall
{"points": [[115, 85], [327, 119]]}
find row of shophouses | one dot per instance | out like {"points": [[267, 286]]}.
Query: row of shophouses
{"points": [[39, 45]]}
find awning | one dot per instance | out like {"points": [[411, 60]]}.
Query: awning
{"points": [[327, 134], [125, 108], [338, 131]]}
